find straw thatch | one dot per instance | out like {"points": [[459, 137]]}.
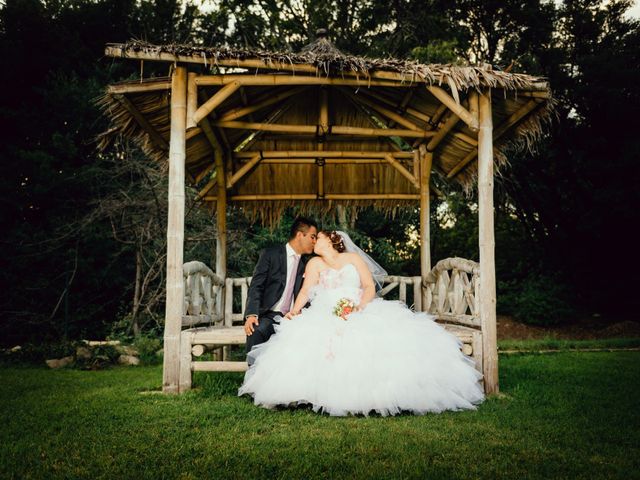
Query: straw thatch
{"points": [[139, 109]]}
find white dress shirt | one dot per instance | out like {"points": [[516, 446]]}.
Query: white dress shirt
{"points": [[291, 256]]}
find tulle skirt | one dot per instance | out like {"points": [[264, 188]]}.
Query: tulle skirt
{"points": [[385, 359]]}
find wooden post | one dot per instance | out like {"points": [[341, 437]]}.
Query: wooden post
{"points": [[426, 159], [221, 222], [487, 245], [175, 232]]}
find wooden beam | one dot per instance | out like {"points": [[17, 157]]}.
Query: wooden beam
{"points": [[328, 196], [175, 232], [508, 123], [328, 161], [156, 138], [454, 106], [143, 87], [206, 171], [403, 171], [244, 170], [449, 125], [335, 129], [486, 243], [219, 97], [207, 188], [279, 79], [236, 113], [319, 153]]}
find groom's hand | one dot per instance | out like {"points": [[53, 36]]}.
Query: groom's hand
{"points": [[250, 323]]}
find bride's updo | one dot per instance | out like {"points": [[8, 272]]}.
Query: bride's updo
{"points": [[335, 239]]}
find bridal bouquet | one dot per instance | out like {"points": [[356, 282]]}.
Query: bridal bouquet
{"points": [[344, 307]]}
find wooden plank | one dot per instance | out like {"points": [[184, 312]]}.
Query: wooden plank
{"points": [[223, 366]]}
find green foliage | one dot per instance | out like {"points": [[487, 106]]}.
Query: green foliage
{"points": [[578, 411], [538, 299], [147, 347]]}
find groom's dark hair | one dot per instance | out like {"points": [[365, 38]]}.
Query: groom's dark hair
{"points": [[301, 224]]}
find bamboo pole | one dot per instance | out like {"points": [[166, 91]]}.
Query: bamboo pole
{"points": [[244, 170], [175, 232], [267, 80], [393, 116], [400, 168], [318, 153], [154, 86], [486, 244], [217, 98], [449, 125], [313, 196], [192, 99], [426, 161], [411, 111], [508, 123], [221, 223], [236, 113], [207, 188], [323, 123], [206, 171], [454, 106], [335, 129]]}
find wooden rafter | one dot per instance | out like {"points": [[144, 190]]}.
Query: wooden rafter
{"points": [[391, 115], [403, 171], [219, 97], [511, 121], [240, 112], [244, 170], [455, 107], [143, 122]]}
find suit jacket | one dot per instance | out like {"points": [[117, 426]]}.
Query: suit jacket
{"points": [[270, 278]]}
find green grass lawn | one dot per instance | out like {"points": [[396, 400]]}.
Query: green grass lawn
{"points": [[563, 415]]}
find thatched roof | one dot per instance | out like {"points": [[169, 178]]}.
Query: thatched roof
{"points": [[362, 94]]}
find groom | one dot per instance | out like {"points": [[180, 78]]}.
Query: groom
{"points": [[276, 281]]}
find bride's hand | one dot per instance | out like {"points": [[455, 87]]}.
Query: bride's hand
{"points": [[291, 314]]}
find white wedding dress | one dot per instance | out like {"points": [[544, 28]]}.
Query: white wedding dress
{"points": [[385, 358]]}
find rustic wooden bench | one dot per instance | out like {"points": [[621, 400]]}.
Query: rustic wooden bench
{"points": [[448, 293]]}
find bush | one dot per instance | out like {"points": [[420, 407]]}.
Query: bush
{"points": [[147, 346], [538, 299]]}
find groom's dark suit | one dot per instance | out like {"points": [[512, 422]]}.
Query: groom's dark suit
{"points": [[267, 286]]}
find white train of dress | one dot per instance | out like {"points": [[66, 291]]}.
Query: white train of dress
{"points": [[386, 358]]}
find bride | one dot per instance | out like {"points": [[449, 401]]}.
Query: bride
{"points": [[352, 353]]}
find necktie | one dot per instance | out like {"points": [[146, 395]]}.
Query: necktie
{"points": [[288, 294]]}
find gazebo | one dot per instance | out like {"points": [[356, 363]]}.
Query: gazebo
{"points": [[321, 129]]}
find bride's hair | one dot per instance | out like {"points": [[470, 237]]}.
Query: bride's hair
{"points": [[335, 239]]}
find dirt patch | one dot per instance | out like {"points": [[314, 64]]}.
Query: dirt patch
{"points": [[587, 329]]}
